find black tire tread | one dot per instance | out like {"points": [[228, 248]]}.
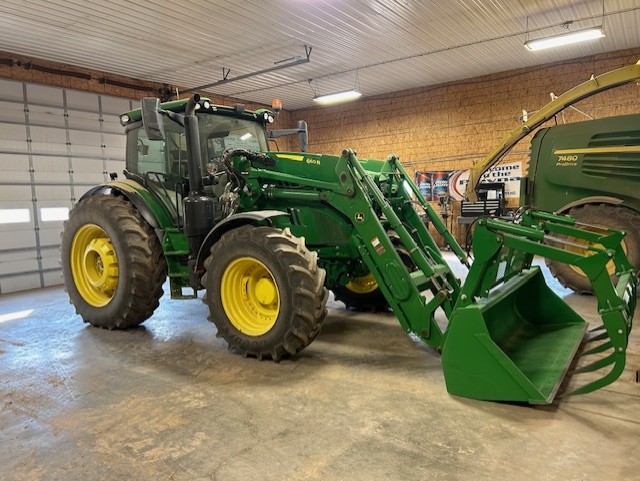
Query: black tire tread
{"points": [[625, 219], [307, 283], [373, 301], [147, 269]]}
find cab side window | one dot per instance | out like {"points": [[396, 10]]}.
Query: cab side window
{"points": [[167, 156]]}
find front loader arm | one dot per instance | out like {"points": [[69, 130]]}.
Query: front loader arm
{"points": [[509, 337], [594, 85]]}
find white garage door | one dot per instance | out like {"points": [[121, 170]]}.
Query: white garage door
{"points": [[55, 144]]}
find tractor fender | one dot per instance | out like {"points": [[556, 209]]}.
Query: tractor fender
{"points": [[132, 195], [596, 199], [233, 222]]}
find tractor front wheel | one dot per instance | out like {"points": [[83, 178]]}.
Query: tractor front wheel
{"points": [[112, 263], [265, 291], [607, 216]]}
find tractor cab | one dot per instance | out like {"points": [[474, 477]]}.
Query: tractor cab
{"points": [[161, 165]]}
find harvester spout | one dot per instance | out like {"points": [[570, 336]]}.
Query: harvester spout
{"points": [[594, 85]]}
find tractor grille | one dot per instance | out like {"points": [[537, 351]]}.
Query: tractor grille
{"points": [[615, 139], [617, 165]]}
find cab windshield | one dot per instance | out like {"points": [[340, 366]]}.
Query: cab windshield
{"points": [[169, 157]]}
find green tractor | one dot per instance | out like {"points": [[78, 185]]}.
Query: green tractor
{"points": [[267, 234]]}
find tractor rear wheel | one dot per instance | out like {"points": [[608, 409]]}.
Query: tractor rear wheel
{"points": [[362, 294], [265, 291], [608, 216], [112, 263]]}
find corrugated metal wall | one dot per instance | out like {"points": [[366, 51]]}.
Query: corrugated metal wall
{"points": [[54, 145]]}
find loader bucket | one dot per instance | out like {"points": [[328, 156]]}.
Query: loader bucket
{"points": [[516, 345], [511, 338]]}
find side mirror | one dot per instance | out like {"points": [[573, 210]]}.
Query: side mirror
{"points": [[303, 132], [301, 129], [151, 118]]}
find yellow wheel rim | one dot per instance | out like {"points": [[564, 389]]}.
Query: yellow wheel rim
{"points": [[94, 265], [250, 296], [611, 267], [362, 285]]}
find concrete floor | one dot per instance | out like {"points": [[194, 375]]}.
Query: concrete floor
{"points": [[363, 402]]}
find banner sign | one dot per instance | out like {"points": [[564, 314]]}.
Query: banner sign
{"points": [[433, 184]]}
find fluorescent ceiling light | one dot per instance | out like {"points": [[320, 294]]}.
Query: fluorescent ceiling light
{"points": [[565, 38], [337, 97]]}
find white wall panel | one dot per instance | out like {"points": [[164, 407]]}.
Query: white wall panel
{"points": [[11, 239], [52, 278], [14, 168], [85, 101], [16, 265], [48, 140], [13, 138], [11, 90], [55, 145], [88, 171], [48, 169], [21, 282], [81, 120], [60, 193], [11, 111], [111, 125], [50, 236], [116, 106], [17, 239], [116, 166], [80, 190], [46, 116], [43, 95], [52, 252], [114, 146], [21, 235], [16, 195], [85, 143], [10, 261]]}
